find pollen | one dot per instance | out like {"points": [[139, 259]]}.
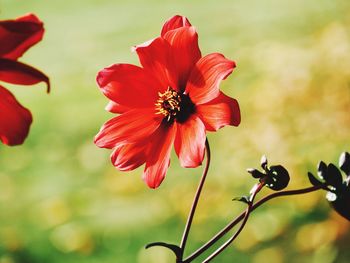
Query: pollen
{"points": [[168, 103]]}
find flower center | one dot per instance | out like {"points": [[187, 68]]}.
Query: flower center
{"points": [[168, 103]]}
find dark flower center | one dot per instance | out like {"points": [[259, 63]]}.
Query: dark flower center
{"points": [[174, 105]]}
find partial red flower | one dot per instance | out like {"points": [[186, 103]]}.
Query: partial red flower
{"points": [[16, 36], [174, 98]]}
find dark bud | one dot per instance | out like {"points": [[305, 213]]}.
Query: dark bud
{"points": [[277, 178], [338, 194], [340, 202], [263, 162], [333, 176], [255, 173], [344, 163]]}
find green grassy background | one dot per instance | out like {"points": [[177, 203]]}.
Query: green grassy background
{"points": [[62, 201]]}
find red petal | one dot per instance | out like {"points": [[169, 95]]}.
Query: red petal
{"points": [[203, 84], [128, 85], [15, 120], [174, 23], [129, 157], [154, 56], [116, 108], [184, 54], [16, 36], [219, 112], [158, 160], [190, 142], [131, 126], [14, 72]]}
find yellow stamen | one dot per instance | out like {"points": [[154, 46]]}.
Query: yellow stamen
{"points": [[168, 103]]}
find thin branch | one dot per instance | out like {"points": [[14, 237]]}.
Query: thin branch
{"points": [[256, 190], [234, 222], [196, 199]]}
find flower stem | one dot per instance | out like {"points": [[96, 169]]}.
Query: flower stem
{"points": [[196, 199], [242, 216]]}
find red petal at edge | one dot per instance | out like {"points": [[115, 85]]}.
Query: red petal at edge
{"points": [[15, 120], [158, 160], [129, 157], [219, 112], [154, 56], [184, 54], [174, 22], [205, 78], [190, 142], [130, 127], [17, 36], [116, 108], [14, 72], [128, 85]]}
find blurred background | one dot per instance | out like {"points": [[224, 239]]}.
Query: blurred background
{"points": [[61, 200]]}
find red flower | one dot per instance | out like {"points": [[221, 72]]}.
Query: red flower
{"points": [[173, 98], [16, 36]]}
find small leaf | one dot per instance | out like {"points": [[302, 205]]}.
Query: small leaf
{"points": [[244, 199], [177, 250], [255, 173], [313, 180], [263, 162], [344, 163], [321, 169]]}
